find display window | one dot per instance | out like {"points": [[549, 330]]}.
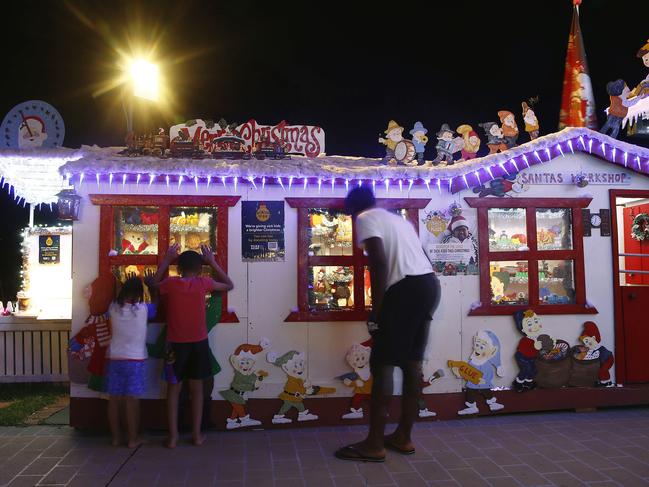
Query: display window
{"points": [[531, 255], [136, 231], [333, 276]]}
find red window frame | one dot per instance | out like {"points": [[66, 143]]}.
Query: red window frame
{"points": [[357, 260], [533, 255], [108, 203]]}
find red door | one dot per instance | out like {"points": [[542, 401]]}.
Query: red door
{"points": [[632, 293], [635, 300]]}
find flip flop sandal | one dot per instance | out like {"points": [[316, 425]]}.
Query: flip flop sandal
{"points": [[354, 454], [398, 449]]}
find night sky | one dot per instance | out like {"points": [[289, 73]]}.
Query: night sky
{"points": [[348, 67]]}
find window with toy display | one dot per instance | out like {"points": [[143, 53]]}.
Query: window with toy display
{"points": [[192, 227], [136, 231], [533, 257], [333, 277]]}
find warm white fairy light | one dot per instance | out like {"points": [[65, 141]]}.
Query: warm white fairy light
{"points": [[502, 166], [263, 182], [346, 184], [547, 153], [123, 180], [110, 180], [410, 183], [333, 184], [613, 153], [151, 178], [167, 180], [290, 182], [319, 184], [281, 183], [572, 151], [603, 148], [525, 160], [196, 182], [590, 146], [581, 139], [209, 181], [439, 186], [305, 182], [538, 158], [560, 149], [223, 182], [137, 179], [180, 181], [401, 185], [387, 184], [427, 183], [374, 185], [626, 156], [360, 183], [477, 175], [97, 178], [252, 181], [513, 161], [236, 181]]}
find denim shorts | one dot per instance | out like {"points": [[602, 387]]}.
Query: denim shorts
{"points": [[126, 377]]}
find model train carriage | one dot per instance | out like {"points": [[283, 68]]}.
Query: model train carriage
{"points": [[272, 150], [185, 148], [230, 147]]}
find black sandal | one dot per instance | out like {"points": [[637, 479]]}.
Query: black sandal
{"points": [[352, 453], [398, 449]]}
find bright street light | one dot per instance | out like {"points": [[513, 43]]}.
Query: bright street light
{"points": [[144, 76]]}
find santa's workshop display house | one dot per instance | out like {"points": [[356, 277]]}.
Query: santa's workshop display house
{"points": [[540, 249]]}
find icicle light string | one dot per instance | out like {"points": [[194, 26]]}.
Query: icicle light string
{"points": [[458, 182]]}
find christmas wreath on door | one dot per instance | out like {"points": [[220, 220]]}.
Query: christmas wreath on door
{"points": [[640, 227]]}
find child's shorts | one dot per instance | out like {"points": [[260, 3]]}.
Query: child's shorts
{"points": [[125, 377], [189, 360]]}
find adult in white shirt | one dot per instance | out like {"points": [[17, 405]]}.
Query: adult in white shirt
{"points": [[405, 293]]}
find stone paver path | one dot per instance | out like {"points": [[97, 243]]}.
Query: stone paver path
{"points": [[599, 449]]}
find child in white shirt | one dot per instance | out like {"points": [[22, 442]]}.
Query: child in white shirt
{"points": [[126, 359]]}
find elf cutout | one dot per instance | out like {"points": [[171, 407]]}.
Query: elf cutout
{"points": [[591, 338], [95, 335], [424, 412], [296, 388], [246, 378], [485, 359], [527, 352], [360, 380]]}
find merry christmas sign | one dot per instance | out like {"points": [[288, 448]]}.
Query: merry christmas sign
{"points": [[308, 140]]}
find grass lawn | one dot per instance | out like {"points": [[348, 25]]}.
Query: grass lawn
{"points": [[19, 401]]}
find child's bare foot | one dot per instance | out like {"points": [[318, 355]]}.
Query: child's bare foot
{"points": [[171, 442], [135, 443], [198, 441]]}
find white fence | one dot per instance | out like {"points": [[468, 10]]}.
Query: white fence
{"points": [[34, 351]]}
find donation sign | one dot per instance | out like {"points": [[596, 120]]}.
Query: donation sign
{"points": [[262, 231], [49, 249]]}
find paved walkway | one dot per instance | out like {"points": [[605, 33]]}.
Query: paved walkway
{"points": [[599, 449]]}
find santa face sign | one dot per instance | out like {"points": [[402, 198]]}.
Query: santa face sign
{"points": [[32, 124]]}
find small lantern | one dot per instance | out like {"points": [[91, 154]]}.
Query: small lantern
{"points": [[69, 203]]}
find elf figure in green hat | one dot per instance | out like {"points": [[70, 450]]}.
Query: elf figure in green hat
{"points": [[296, 388]]}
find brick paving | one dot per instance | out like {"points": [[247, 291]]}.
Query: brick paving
{"points": [[598, 449]]}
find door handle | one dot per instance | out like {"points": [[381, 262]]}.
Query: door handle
{"points": [[633, 295]]}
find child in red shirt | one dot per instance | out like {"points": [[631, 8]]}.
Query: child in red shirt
{"points": [[187, 331]]}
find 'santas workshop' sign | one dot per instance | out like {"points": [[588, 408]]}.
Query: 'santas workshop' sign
{"points": [[308, 140], [603, 177]]}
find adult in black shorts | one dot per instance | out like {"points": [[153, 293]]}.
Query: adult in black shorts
{"points": [[405, 293]]}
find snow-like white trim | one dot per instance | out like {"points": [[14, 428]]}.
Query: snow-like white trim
{"points": [[107, 160], [92, 162], [33, 175]]}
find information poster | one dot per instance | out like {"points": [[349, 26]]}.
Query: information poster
{"points": [[262, 231], [450, 241], [49, 249]]}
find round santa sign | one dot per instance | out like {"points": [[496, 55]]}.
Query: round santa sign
{"points": [[32, 124]]}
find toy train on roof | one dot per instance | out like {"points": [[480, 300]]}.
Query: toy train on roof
{"points": [[228, 146]]}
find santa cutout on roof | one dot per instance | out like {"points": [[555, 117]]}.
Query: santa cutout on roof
{"points": [[577, 101]]}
